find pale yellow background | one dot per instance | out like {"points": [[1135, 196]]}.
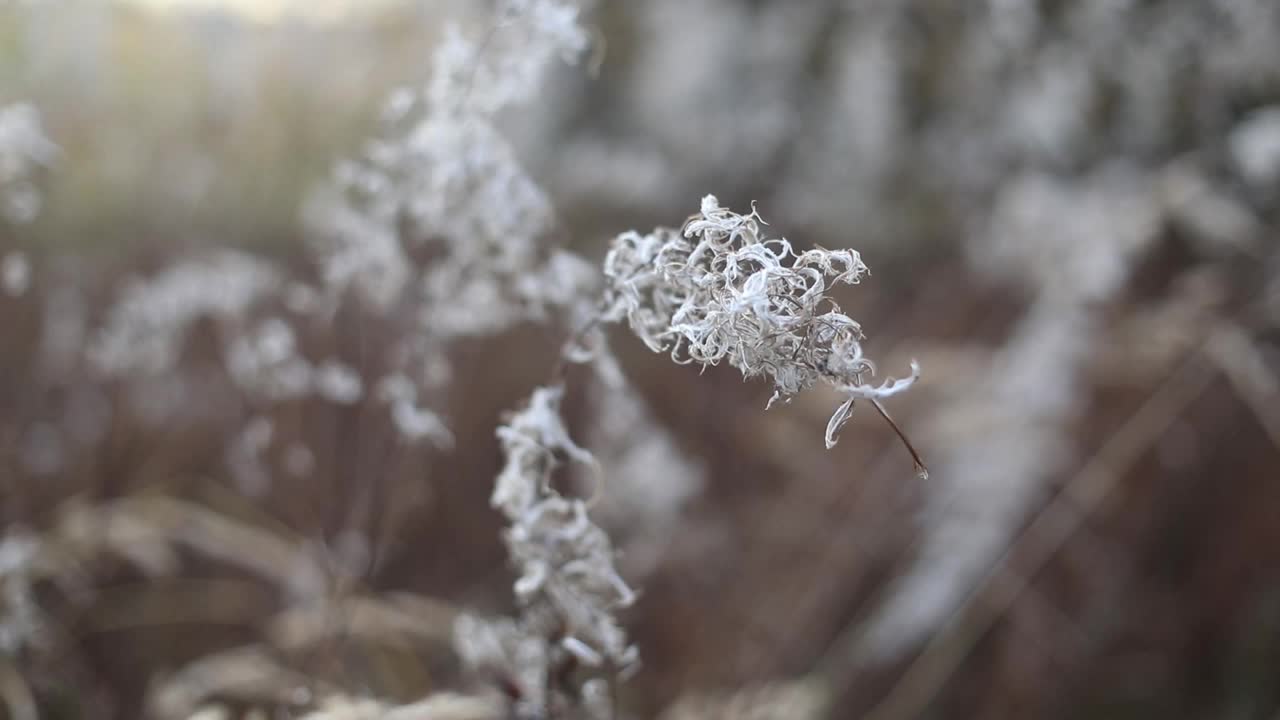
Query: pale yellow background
{"points": [[273, 10]]}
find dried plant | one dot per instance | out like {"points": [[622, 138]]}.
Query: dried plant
{"points": [[146, 327], [720, 290], [24, 149], [568, 587]]}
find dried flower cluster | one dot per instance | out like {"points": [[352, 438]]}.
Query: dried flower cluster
{"points": [[23, 149], [20, 623], [145, 329], [445, 176], [443, 182], [15, 274], [568, 587], [719, 290]]}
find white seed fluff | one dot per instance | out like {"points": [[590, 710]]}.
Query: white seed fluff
{"points": [[719, 290]]}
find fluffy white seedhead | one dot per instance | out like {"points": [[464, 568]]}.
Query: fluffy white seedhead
{"points": [[439, 220], [445, 176], [20, 621], [530, 441], [338, 383], [516, 652], [719, 290], [568, 560], [414, 422], [264, 362], [565, 561], [146, 327], [482, 76], [15, 274], [23, 149]]}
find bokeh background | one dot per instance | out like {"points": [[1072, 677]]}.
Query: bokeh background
{"points": [[1069, 210]]}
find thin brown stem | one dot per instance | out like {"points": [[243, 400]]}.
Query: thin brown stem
{"points": [[920, 467]]}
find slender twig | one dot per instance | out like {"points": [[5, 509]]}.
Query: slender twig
{"points": [[920, 467]]}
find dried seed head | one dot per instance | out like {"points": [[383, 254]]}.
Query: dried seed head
{"points": [[720, 290]]}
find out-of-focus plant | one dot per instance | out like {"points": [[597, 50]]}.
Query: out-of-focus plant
{"points": [[24, 149]]}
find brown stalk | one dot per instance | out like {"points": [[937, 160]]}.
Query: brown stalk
{"points": [[920, 467]]}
